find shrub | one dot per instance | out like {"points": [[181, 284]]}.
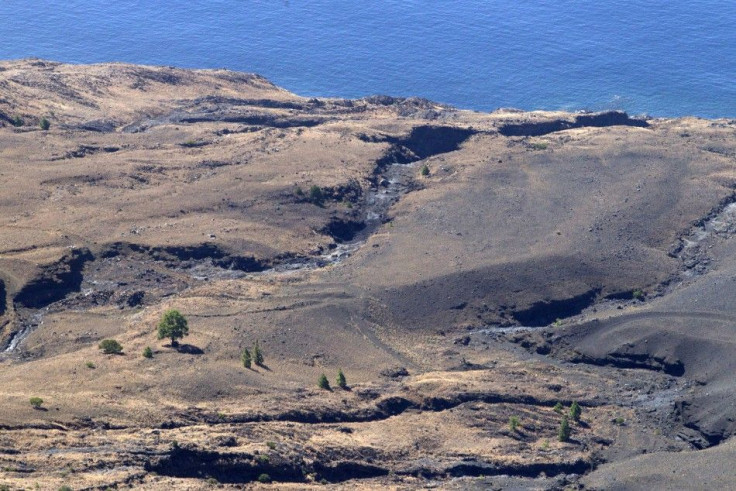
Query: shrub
{"points": [[271, 445], [323, 383], [264, 478], [90, 365], [17, 122], [36, 402], [298, 192], [44, 124], [563, 433], [539, 146], [173, 325], [425, 170], [638, 295], [315, 194], [513, 423], [558, 408], [246, 358], [341, 382], [257, 354], [110, 347], [148, 352], [65, 488], [575, 411]]}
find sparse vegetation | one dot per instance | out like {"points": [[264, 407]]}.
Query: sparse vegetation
{"points": [[575, 411], [563, 433], [246, 358], [425, 170], [271, 445], [148, 352], [65, 488], [173, 325], [513, 423], [323, 383], [45, 124], [36, 402], [264, 478], [110, 347], [341, 382], [619, 421], [90, 365], [539, 146]]}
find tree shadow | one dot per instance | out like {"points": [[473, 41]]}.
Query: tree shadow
{"points": [[188, 349], [264, 366]]}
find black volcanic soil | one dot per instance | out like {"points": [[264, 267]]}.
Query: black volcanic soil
{"points": [[464, 270]]}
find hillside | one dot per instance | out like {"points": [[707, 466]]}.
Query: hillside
{"points": [[463, 269]]}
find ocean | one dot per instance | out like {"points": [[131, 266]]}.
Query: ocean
{"points": [[656, 57]]}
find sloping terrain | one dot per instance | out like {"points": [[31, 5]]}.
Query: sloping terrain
{"points": [[466, 271]]}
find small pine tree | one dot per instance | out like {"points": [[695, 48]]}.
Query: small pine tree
{"points": [[514, 423], [558, 408], [341, 382], [258, 354], [246, 358], [323, 383], [563, 433], [44, 124], [425, 170], [575, 411], [148, 352], [17, 121], [315, 194]]}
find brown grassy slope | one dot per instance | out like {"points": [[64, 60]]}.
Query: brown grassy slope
{"points": [[161, 173]]}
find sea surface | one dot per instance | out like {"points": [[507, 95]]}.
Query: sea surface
{"points": [[659, 57]]}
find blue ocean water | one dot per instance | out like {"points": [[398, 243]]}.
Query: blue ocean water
{"points": [[660, 57]]}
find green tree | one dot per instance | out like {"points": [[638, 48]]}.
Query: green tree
{"points": [[246, 358], [575, 411], [148, 352], [36, 402], [563, 433], [323, 383], [110, 347], [558, 408], [258, 354], [425, 170], [341, 382], [514, 423], [44, 124], [173, 325]]}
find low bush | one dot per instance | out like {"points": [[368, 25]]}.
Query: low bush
{"points": [[110, 347], [36, 402]]}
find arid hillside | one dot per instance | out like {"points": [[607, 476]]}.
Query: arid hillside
{"points": [[471, 274]]}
